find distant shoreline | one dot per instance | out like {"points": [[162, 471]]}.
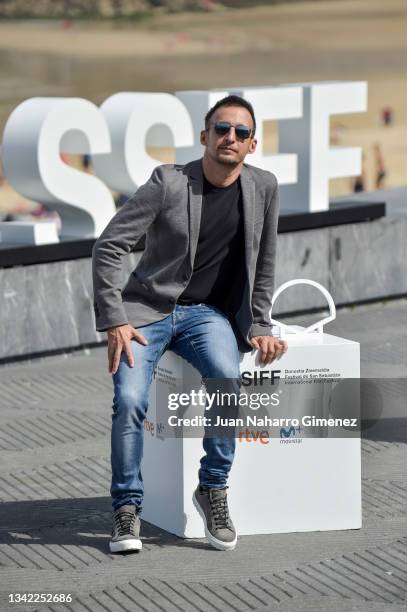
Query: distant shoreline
{"points": [[60, 9]]}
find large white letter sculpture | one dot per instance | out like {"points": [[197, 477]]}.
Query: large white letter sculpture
{"points": [[305, 162], [118, 133], [309, 138], [130, 117], [35, 133]]}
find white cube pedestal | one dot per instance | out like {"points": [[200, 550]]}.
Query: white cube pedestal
{"points": [[276, 485]]}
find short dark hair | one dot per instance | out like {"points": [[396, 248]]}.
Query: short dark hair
{"points": [[231, 100]]}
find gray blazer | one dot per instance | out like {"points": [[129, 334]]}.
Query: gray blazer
{"points": [[167, 208]]}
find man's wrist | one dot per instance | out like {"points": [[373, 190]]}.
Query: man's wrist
{"points": [[113, 327], [260, 330], [109, 320]]}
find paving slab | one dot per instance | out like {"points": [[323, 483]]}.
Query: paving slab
{"points": [[55, 512]]}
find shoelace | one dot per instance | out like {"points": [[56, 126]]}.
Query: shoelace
{"points": [[125, 522], [220, 512]]}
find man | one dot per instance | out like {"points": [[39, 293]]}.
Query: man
{"points": [[202, 289]]}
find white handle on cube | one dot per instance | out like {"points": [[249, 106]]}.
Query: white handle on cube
{"points": [[319, 325]]}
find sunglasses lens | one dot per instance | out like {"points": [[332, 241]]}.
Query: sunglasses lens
{"points": [[222, 128], [242, 131]]}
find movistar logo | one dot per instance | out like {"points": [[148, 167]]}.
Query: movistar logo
{"points": [[287, 432]]}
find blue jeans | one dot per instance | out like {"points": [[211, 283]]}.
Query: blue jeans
{"points": [[203, 336]]}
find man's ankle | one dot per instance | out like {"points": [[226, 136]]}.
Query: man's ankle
{"points": [[137, 508], [203, 488]]}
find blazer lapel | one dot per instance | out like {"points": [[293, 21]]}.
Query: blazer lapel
{"points": [[248, 199], [195, 188]]}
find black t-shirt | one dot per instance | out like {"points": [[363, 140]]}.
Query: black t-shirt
{"points": [[219, 259]]}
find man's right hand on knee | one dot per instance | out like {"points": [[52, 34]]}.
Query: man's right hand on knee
{"points": [[118, 339]]}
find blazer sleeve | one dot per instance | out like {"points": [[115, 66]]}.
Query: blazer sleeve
{"points": [[118, 238], [263, 286]]}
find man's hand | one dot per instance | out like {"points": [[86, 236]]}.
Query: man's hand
{"points": [[118, 339], [271, 348]]}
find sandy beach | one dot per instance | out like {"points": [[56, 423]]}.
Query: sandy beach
{"points": [[341, 39]]}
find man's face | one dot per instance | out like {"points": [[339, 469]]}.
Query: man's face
{"points": [[228, 149]]}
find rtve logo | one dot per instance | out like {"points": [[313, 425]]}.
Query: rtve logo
{"points": [[149, 426], [258, 378], [250, 435]]}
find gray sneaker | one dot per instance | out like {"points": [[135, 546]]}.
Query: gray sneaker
{"points": [[125, 530], [212, 505]]}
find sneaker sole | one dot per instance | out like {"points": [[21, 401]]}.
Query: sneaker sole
{"points": [[218, 544], [123, 545]]}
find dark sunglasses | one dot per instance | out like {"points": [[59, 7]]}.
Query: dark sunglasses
{"points": [[223, 127]]}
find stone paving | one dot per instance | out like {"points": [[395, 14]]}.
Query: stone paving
{"points": [[55, 512]]}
